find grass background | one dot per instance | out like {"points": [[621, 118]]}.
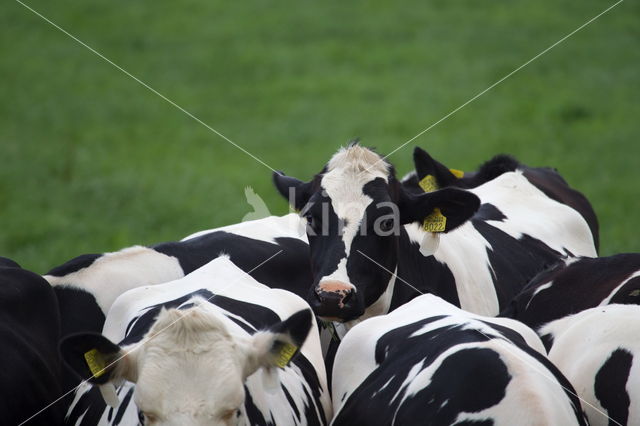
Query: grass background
{"points": [[91, 161]]}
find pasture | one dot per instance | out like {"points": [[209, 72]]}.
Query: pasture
{"points": [[92, 161]]}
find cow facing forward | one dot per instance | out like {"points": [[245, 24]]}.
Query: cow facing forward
{"points": [[213, 348], [365, 230]]}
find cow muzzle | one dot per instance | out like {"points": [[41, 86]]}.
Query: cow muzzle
{"points": [[335, 301]]}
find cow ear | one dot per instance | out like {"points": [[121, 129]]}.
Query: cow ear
{"points": [[96, 359], [276, 346], [426, 166], [455, 205], [294, 190]]}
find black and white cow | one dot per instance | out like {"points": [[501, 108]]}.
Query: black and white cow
{"points": [[212, 348], [430, 174], [30, 370], [598, 350], [576, 284], [429, 362], [365, 230], [87, 285]]}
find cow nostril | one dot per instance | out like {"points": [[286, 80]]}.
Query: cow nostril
{"points": [[347, 296]]}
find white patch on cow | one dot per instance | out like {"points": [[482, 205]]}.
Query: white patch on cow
{"points": [[180, 367], [340, 274], [529, 210], [112, 274], [615, 290], [583, 342], [355, 358], [464, 252], [348, 171], [266, 229]]}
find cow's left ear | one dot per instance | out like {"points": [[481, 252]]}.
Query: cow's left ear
{"points": [[276, 346], [96, 359], [455, 205]]}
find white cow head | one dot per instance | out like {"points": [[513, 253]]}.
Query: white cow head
{"points": [[188, 369]]}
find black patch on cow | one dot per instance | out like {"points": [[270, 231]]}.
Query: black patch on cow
{"points": [[513, 261], [291, 403], [610, 386], [5, 262], [122, 408], [547, 341], [74, 265], [254, 415], [488, 211], [79, 310], [91, 404], [288, 267], [426, 274], [30, 373], [628, 294], [581, 285]]}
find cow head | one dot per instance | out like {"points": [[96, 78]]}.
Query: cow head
{"points": [[355, 210], [188, 369]]}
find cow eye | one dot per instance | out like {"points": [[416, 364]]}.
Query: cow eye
{"points": [[312, 222], [386, 225], [146, 418], [230, 414]]}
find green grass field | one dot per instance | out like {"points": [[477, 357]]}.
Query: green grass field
{"points": [[92, 161]]}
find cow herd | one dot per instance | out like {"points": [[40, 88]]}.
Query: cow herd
{"points": [[441, 298]]}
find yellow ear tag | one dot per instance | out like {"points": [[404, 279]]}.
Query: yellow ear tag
{"points": [[95, 362], [285, 355], [457, 173], [435, 222], [428, 183]]}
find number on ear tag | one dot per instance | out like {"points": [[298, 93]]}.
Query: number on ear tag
{"points": [[95, 362], [435, 222], [428, 183], [286, 353]]}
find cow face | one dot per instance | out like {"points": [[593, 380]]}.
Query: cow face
{"points": [[355, 211], [188, 370]]}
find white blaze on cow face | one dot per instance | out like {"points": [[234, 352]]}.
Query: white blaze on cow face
{"points": [[342, 186], [191, 370], [347, 174]]}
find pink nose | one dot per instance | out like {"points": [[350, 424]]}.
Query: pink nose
{"points": [[334, 290]]}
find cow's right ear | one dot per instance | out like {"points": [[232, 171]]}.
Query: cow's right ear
{"points": [[96, 359], [294, 190], [426, 165]]}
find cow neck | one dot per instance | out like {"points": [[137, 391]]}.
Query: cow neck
{"points": [[419, 274]]}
